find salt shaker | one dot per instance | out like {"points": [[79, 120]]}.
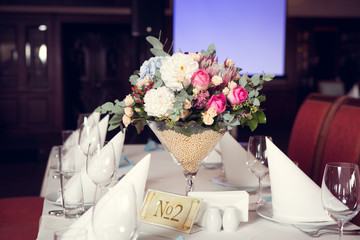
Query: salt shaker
{"points": [[230, 219], [213, 220]]}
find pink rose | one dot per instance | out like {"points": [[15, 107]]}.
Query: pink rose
{"points": [[200, 79], [237, 95], [218, 102]]}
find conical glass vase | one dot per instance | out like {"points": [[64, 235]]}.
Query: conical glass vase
{"points": [[188, 144]]}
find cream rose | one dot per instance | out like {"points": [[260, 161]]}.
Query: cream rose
{"points": [[126, 120], [129, 100], [129, 111]]}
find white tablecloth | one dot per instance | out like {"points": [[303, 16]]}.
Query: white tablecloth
{"points": [[165, 175]]}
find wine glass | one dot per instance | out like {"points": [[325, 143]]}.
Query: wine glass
{"points": [[340, 191], [257, 163], [101, 165], [115, 215], [89, 135]]}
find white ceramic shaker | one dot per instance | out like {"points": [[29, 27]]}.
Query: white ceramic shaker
{"points": [[213, 219], [230, 219]]}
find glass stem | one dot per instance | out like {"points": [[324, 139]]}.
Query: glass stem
{"points": [[341, 228], [259, 192], [190, 178]]}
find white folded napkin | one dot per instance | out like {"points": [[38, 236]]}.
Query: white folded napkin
{"points": [[136, 176], [222, 199], [294, 195], [93, 118], [88, 185], [234, 160], [100, 128]]}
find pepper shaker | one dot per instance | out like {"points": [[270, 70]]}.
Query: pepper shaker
{"points": [[213, 220], [230, 219]]}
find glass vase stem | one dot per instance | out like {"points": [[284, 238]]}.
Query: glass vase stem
{"points": [[190, 179]]}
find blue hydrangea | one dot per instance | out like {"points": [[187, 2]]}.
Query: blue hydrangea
{"points": [[149, 66]]}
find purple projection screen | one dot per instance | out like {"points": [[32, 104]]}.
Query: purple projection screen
{"points": [[249, 32]]}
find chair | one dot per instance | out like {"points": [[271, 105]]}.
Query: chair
{"points": [[306, 129], [19, 217], [342, 138], [340, 141]]}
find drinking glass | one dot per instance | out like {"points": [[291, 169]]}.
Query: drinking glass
{"points": [[71, 234], [101, 165], [115, 216], [89, 136], [257, 163], [340, 191]]}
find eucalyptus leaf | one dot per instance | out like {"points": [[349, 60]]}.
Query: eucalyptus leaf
{"points": [[133, 79], [158, 83], [255, 79], [243, 81], [112, 127], [211, 49], [158, 52], [115, 119], [262, 98], [155, 42], [256, 102], [251, 94]]}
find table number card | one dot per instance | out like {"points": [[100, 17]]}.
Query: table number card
{"points": [[170, 210]]}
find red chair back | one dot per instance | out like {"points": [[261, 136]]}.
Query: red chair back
{"points": [[306, 130]]}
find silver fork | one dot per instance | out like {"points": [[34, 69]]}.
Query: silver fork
{"points": [[315, 233]]}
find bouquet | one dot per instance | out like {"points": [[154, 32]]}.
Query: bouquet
{"points": [[189, 88]]}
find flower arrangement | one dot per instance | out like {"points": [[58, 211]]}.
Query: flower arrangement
{"points": [[189, 87]]}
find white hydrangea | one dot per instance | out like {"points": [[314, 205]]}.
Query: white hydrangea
{"points": [[177, 70], [158, 101]]}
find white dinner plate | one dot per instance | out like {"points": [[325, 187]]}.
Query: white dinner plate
{"points": [[53, 198], [266, 211], [226, 184]]}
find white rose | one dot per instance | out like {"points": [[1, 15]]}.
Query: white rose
{"points": [[176, 71], [158, 101]]}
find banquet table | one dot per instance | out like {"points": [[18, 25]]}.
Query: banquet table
{"points": [[165, 175]]}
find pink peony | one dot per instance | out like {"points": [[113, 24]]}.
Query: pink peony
{"points": [[200, 79], [237, 95], [218, 102]]}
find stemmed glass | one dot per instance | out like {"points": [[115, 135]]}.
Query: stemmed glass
{"points": [[89, 136], [257, 163], [121, 220], [101, 165], [340, 191]]}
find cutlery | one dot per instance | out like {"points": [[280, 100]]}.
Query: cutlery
{"points": [[315, 233]]}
